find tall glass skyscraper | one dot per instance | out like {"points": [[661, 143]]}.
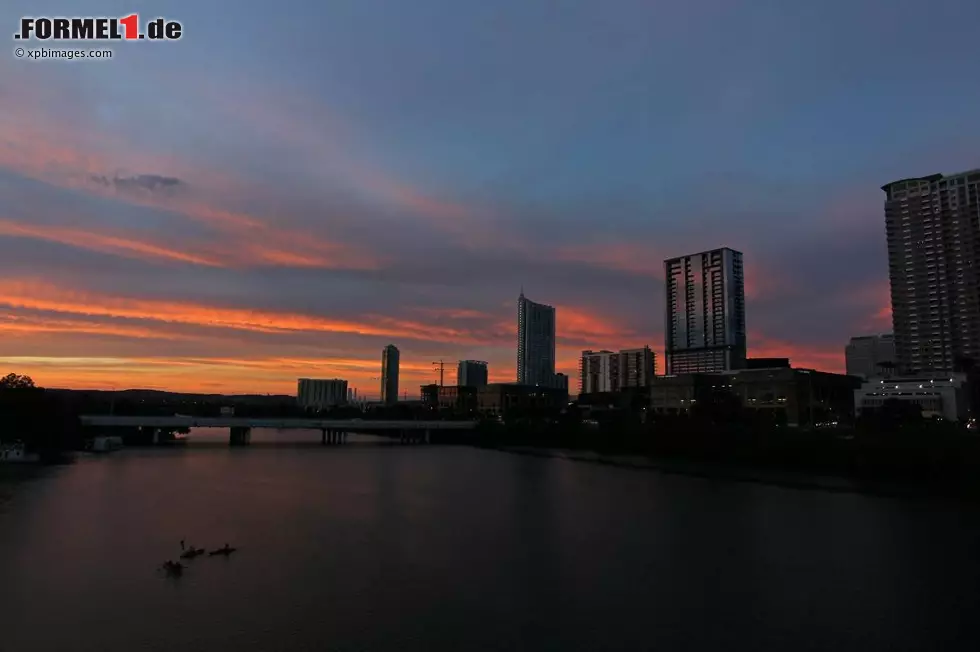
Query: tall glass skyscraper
{"points": [[705, 329], [535, 343], [389, 374]]}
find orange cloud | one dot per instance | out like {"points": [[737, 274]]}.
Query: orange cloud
{"points": [[580, 324], [15, 325], [39, 295], [821, 358], [35, 145], [234, 254], [881, 303], [101, 242]]}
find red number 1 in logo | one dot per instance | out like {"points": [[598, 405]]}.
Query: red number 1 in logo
{"points": [[130, 23]]}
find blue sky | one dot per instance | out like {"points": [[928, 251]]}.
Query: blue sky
{"points": [[359, 172]]}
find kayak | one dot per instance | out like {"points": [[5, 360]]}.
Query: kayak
{"points": [[222, 551], [192, 553]]}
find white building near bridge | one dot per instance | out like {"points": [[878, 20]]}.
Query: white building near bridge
{"points": [[944, 397]]}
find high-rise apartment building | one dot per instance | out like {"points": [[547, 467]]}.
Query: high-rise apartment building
{"points": [[389, 374], [598, 372], [870, 356], [705, 324], [637, 367], [471, 373], [608, 371], [933, 228], [535, 343]]}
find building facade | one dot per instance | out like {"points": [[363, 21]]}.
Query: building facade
{"points": [[460, 398], [598, 372], [637, 367], [503, 398], [779, 395], [321, 394], [472, 373], [389, 374], [933, 229], [608, 371], [946, 397], [870, 356], [561, 383], [705, 319], [535, 343]]}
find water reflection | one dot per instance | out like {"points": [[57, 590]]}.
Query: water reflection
{"points": [[374, 547]]}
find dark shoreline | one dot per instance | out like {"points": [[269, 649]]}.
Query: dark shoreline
{"points": [[783, 479]]}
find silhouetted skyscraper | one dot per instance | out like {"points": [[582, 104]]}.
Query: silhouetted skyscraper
{"points": [[705, 329], [933, 228], [535, 343], [471, 373], [389, 374], [321, 394]]}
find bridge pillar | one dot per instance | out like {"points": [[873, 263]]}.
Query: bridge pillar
{"points": [[330, 436], [240, 436], [427, 436]]}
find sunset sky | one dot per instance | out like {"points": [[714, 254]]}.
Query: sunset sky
{"points": [[279, 195]]}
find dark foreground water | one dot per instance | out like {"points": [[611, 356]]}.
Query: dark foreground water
{"points": [[368, 547]]}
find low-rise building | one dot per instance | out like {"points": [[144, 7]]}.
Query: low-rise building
{"points": [[500, 398], [561, 382], [449, 397], [946, 397], [679, 393], [795, 397]]}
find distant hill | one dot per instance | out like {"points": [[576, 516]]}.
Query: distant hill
{"points": [[159, 396]]}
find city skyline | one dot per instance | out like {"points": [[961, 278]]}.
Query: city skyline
{"points": [[281, 214]]}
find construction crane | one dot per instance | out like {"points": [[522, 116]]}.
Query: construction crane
{"points": [[442, 370], [441, 364]]}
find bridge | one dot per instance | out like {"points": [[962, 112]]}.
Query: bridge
{"points": [[333, 431]]}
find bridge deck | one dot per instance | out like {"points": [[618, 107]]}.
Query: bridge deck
{"points": [[248, 422]]}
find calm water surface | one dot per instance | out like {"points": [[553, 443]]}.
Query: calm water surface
{"points": [[368, 547]]}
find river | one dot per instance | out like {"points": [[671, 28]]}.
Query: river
{"points": [[371, 546]]}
